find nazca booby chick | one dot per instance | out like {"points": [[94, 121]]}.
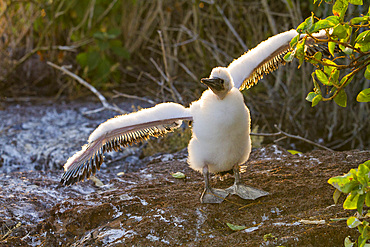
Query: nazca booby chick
{"points": [[220, 139], [221, 122]]}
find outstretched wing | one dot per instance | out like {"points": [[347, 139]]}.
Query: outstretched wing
{"points": [[266, 57], [119, 132]]}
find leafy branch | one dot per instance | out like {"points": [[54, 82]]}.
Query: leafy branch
{"points": [[356, 183], [342, 37]]}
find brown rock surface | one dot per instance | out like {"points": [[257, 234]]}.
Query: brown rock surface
{"points": [[151, 208]]}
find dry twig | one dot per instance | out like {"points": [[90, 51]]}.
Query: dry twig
{"points": [[269, 16], [232, 29], [118, 94], [285, 135], [168, 77], [103, 100]]}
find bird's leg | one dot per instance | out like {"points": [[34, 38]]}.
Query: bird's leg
{"points": [[211, 195], [242, 190]]}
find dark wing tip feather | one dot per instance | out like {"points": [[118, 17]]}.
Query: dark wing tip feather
{"points": [[267, 66], [82, 169], [92, 157], [273, 62]]}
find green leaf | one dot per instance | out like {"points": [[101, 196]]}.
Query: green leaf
{"points": [[103, 70], [345, 78], [118, 49], [306, 25], [347, 50], [351, 201], [99, 35], [82, 59], [364, 95], [363, 37], [331, 46], [361, 241], [344, 183], [367, 163], [311, 96], [178, 175], [366, 233], [364, 47], [330, 63], [360, 203], [336, 195], [367, 72], [329, 22], [294, 151], [321, 24], [268, 236], [354, 173], [88, 59], [353, 222], [322, 77], [294, 41], [316, 100], [328, 68], [340, 8], [348, 242], [289, 57], [341, 98], [333, 79], [355, 2], [340, 31], [333, 19], [300, 51], [102, 44], [317, 55], [367, 199], [317, 89], [357, 20], [349, 32], [113, 33], [363, 174], [235, 227]]}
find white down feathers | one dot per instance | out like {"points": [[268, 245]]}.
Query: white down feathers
{"points": [[220, 129]]}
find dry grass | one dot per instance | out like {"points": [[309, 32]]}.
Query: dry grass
{"points": [[195, 36]]}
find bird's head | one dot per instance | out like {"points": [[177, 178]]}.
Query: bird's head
{"points": [[220, 82]]}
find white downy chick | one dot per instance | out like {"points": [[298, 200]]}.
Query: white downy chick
{"points": [[221, 123]]}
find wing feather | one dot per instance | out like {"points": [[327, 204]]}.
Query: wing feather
{"points": [[265, 58], [120, 132]]}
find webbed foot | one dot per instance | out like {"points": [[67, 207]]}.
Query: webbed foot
{"points": [[246, 192], [212, 195]]}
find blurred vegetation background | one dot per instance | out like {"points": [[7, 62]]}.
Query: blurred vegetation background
{"points": [[159, 49]]}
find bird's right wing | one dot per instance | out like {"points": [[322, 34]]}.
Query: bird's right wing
{"points": [[120, 132], [266, 57]]}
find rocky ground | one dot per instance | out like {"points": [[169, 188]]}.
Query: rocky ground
{"points": [[141, 204]]}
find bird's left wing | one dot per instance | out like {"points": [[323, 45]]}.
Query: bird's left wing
{"points": [[266, 57], [120, 132]]}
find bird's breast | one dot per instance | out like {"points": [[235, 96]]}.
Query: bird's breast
{"points": [[219, 119], [220, 133]]}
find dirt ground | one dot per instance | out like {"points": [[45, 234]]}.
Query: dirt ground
{"points": [[152, 208]]}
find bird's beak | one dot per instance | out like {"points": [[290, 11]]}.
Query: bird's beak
{"points": [[216, 84]]}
